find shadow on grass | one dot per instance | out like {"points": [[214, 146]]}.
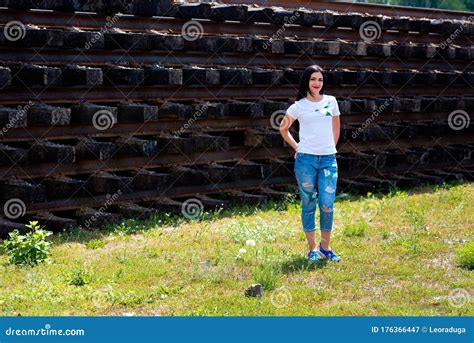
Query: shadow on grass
{"points": [[423, 188], [301, 264], [131, 226]]}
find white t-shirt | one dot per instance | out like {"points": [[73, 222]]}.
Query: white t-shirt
{"points": [[316, 136]]}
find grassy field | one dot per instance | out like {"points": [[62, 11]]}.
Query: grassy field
{"points": [[398, 258]]}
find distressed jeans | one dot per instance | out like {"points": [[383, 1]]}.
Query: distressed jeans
{"points": [[316, 174]]}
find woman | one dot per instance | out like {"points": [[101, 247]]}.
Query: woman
{"points": [[315, 154]]}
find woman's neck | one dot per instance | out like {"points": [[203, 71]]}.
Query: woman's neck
{"points": [[314, 98]]}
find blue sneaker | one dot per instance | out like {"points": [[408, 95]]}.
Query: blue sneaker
{"points": [[315, 256], [329, 254]]}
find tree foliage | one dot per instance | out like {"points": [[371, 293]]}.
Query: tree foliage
{"points": [[460, 5]]}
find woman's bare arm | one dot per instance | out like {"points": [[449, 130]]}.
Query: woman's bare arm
{"points": [[336, 128], [285, 133]]}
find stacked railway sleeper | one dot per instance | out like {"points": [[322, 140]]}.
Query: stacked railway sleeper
{"points": [[114, 109]]}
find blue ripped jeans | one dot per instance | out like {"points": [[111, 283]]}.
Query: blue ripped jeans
{"points": [[316, 174]]}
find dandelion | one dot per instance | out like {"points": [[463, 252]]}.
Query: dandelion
{"points": [[250, 242], [241, 252]]}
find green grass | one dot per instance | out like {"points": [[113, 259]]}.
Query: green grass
{"points": [[403, 253], [357, 229], [80, 277], [95, 244], [465, 255]]}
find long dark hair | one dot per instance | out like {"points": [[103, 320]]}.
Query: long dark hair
{"points": [[304, 82]]}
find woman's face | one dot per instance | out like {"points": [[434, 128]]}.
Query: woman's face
{"points": [[316, 82]]}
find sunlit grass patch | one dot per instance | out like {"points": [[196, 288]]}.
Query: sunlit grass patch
{"points": [[408, 252]]}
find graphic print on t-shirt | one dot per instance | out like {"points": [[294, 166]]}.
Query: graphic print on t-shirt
{"points": [[326, 110]]}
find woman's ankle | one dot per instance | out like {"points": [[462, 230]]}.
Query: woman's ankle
{"points": [[327, 248]]}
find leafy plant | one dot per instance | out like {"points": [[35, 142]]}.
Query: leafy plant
{"points": [[357, 229], [95, 244], [465, 255], [166, 291], [80, 277], [29, 249], [417, 219], [267, 273]]}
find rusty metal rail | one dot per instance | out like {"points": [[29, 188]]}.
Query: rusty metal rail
{"points": [[54, 57], [178, 93], [93, 21], [152, 195], [232, 155], [227, 124], [350, 6]]}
